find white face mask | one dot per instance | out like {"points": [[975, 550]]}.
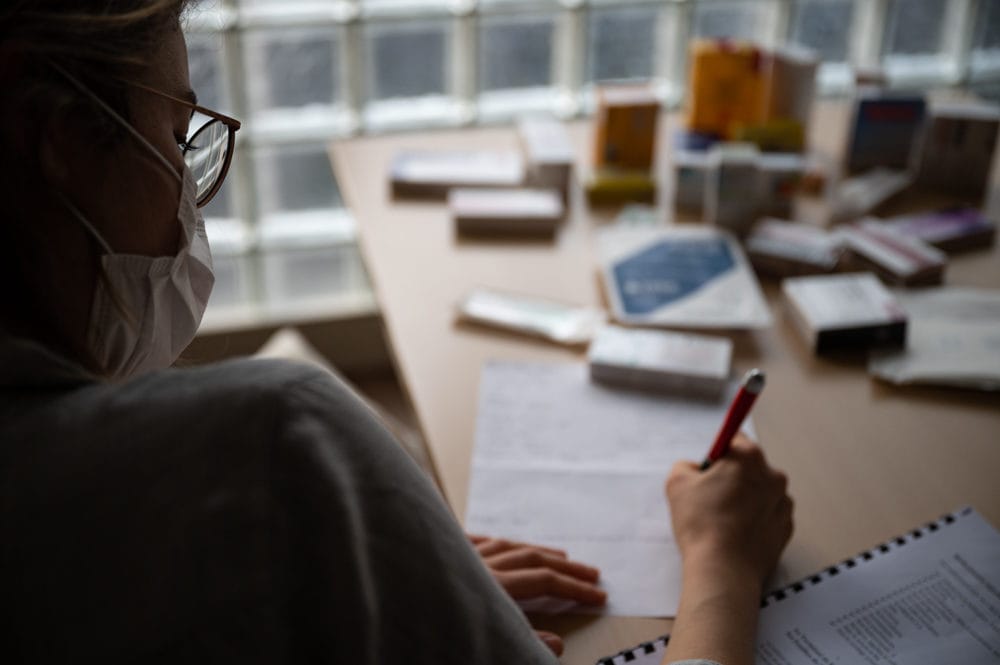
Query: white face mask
{"points": [[147, 310]]}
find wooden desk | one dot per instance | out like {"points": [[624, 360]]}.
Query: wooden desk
{"points": [[866, 461]]}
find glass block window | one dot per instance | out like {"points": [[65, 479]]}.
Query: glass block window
{"points": [[301, 73], [823, 26], [205, 69], [734, 20], [914, 27], [515, 51], [292, 178], [986, 38], [621, 43], [407, 59], [292, 68]]}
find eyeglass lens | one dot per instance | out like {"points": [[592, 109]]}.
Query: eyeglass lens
{"points": [[206, 156]]}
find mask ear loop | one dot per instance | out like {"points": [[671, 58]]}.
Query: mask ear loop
{"points": [[114, 114]]}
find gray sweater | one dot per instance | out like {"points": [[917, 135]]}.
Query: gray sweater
{"points": [[251, 511]]}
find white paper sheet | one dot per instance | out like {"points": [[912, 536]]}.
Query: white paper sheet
{"points": [[563, 462], [918, 600], [953, 338]]}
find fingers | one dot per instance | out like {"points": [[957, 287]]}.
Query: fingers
{"points": [[551, 640], [533, 557], [538, 582], [490, 546]]}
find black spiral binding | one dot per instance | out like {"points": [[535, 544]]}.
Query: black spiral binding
{"points": [[629, 655], [867, 555]]}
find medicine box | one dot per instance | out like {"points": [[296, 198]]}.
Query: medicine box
{"points": [[950, 230], [625, 128], [898, 259], [694, 365], [844, 312], [728, 86], [430, 174], [884, 131], [733, 191], [691, 169], [956, 152], [780, 175], [791, 87], [867, 193], [548, 152], [785, 249], [506, 211]]}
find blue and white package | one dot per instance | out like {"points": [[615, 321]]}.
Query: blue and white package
{"points": [[681, 277]]}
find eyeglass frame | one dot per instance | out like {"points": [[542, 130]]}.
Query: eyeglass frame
{"points": [[231, 124]]}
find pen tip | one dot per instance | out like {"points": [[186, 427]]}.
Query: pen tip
{"points": [[754, 381]]}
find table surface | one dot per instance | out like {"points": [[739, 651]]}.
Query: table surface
{"points": [[866, 461]]}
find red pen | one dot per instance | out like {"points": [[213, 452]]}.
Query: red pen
{"points": [[753, 384]]}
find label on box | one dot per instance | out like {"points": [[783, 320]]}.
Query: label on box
{"points": [[842, 301]]}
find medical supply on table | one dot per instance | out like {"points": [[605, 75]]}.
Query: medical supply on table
{"points": [[559, 322], [430, 174], [897, 259], [680, 276], [518, 211], [867, 193], [884, 131], [788, 249], [733, 193], [548, 152], [956, 151], [951, 230], [661, 361], [844, 312]]}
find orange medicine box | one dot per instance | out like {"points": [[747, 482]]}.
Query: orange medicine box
{"points": [[626, 128], [729, 87]]}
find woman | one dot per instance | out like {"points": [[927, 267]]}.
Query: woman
{"points": [[249, 511]]}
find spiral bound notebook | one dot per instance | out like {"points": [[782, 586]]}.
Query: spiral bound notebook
{"points": [[929, 596]]}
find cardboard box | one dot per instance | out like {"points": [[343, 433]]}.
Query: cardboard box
{"points": [[548, 152], [733, 192], [956, 152], [429, 174], [654, 360], [506, 211], [884, 131], [625, 128], [844, 312], [898, 259], [787, 249], [728, 87], [951, 230]]}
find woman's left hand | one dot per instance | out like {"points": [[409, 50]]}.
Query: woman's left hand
{"points": [[531, 571]]}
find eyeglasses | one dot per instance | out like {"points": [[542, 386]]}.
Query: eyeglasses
{"points": [[208, 150]]}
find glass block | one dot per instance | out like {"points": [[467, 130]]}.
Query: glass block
{"points": [[229, 240], [734, 20], [406, 59], [621, 44], [914, 27], [987, 35], [205, 69], [295, 178], [221, 204], [823, 26], [322, 273], [292, 68], [515, 52], [312, 258]]}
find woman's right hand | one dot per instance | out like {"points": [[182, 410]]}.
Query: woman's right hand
{"points": [[735, 514]]}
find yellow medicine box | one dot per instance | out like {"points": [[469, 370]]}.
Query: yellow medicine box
{"points": [[728, 87], [625, 128]]}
